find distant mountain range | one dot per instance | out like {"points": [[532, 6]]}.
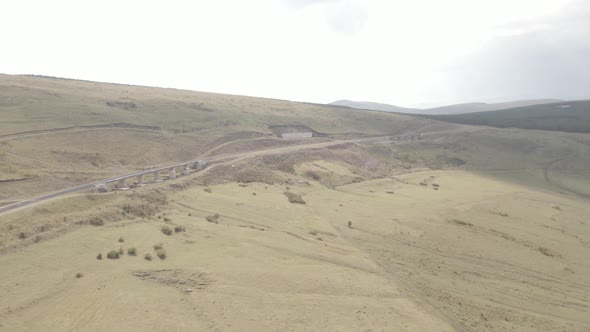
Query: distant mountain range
{"points": [[569, 116], [451, 109]]}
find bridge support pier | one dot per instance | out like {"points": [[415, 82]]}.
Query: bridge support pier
{"points": [[172, 173], [121, 185], [186, 170], [201, 164], [156, 177], [140, 181]]}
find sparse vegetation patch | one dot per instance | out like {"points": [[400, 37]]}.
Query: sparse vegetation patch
{"points": [[161, 253], [113, 254], [461, 222], [294, 198], [213, 218], [167, 230]]}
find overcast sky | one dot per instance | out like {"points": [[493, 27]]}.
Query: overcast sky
{"points": [[406, 53]]}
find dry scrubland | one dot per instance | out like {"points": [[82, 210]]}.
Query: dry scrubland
{"points": [[471, 229]]}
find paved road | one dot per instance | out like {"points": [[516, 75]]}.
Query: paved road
{"points": [[209, 159]]}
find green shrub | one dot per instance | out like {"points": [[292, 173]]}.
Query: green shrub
{"points": [[208, 190], [166, 219], [213, 218], [158, 246], [294, 198], [461, 222], [121, 240], [79, 275], [148, 257], [166, 230], [113, 254], [131, 251], [96, 221], [178, 229], [99, 256], [161, 253]]}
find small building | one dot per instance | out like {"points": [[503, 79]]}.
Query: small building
{"points": [[292, 132]]}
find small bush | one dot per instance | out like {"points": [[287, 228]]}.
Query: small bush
{"points": [[178, 229], [148, 257], [121, 240], [99, 256], [208, 190], [294, 198], [79, 275], [189, 214], [349, 224], [213, 218], [132, 251], [461, 222], [22, 235], [166, 219], [96, 221], [121, 251], [113, 254], [161, 253], [158, 246], [166, 230], [37, 239]]}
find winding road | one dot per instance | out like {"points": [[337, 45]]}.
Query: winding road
{"points": [[249, 154]]}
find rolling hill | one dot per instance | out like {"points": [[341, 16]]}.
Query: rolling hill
{"points": [[571, 116], [484, 107], [450, 109], [373, 106]]}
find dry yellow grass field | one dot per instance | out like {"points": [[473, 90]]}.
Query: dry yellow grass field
{"points": [[469, 229]]}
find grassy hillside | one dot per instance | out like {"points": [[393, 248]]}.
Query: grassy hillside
{"points": [[572, 116], [34, 103], [56, 133]]}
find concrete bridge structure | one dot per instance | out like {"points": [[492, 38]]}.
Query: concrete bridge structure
{"points": [[122, 183], [407, 138]]}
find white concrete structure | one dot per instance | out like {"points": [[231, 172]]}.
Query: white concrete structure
{"points": [[291, 136], [157, 177], [140, 180], [172, 173]]}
